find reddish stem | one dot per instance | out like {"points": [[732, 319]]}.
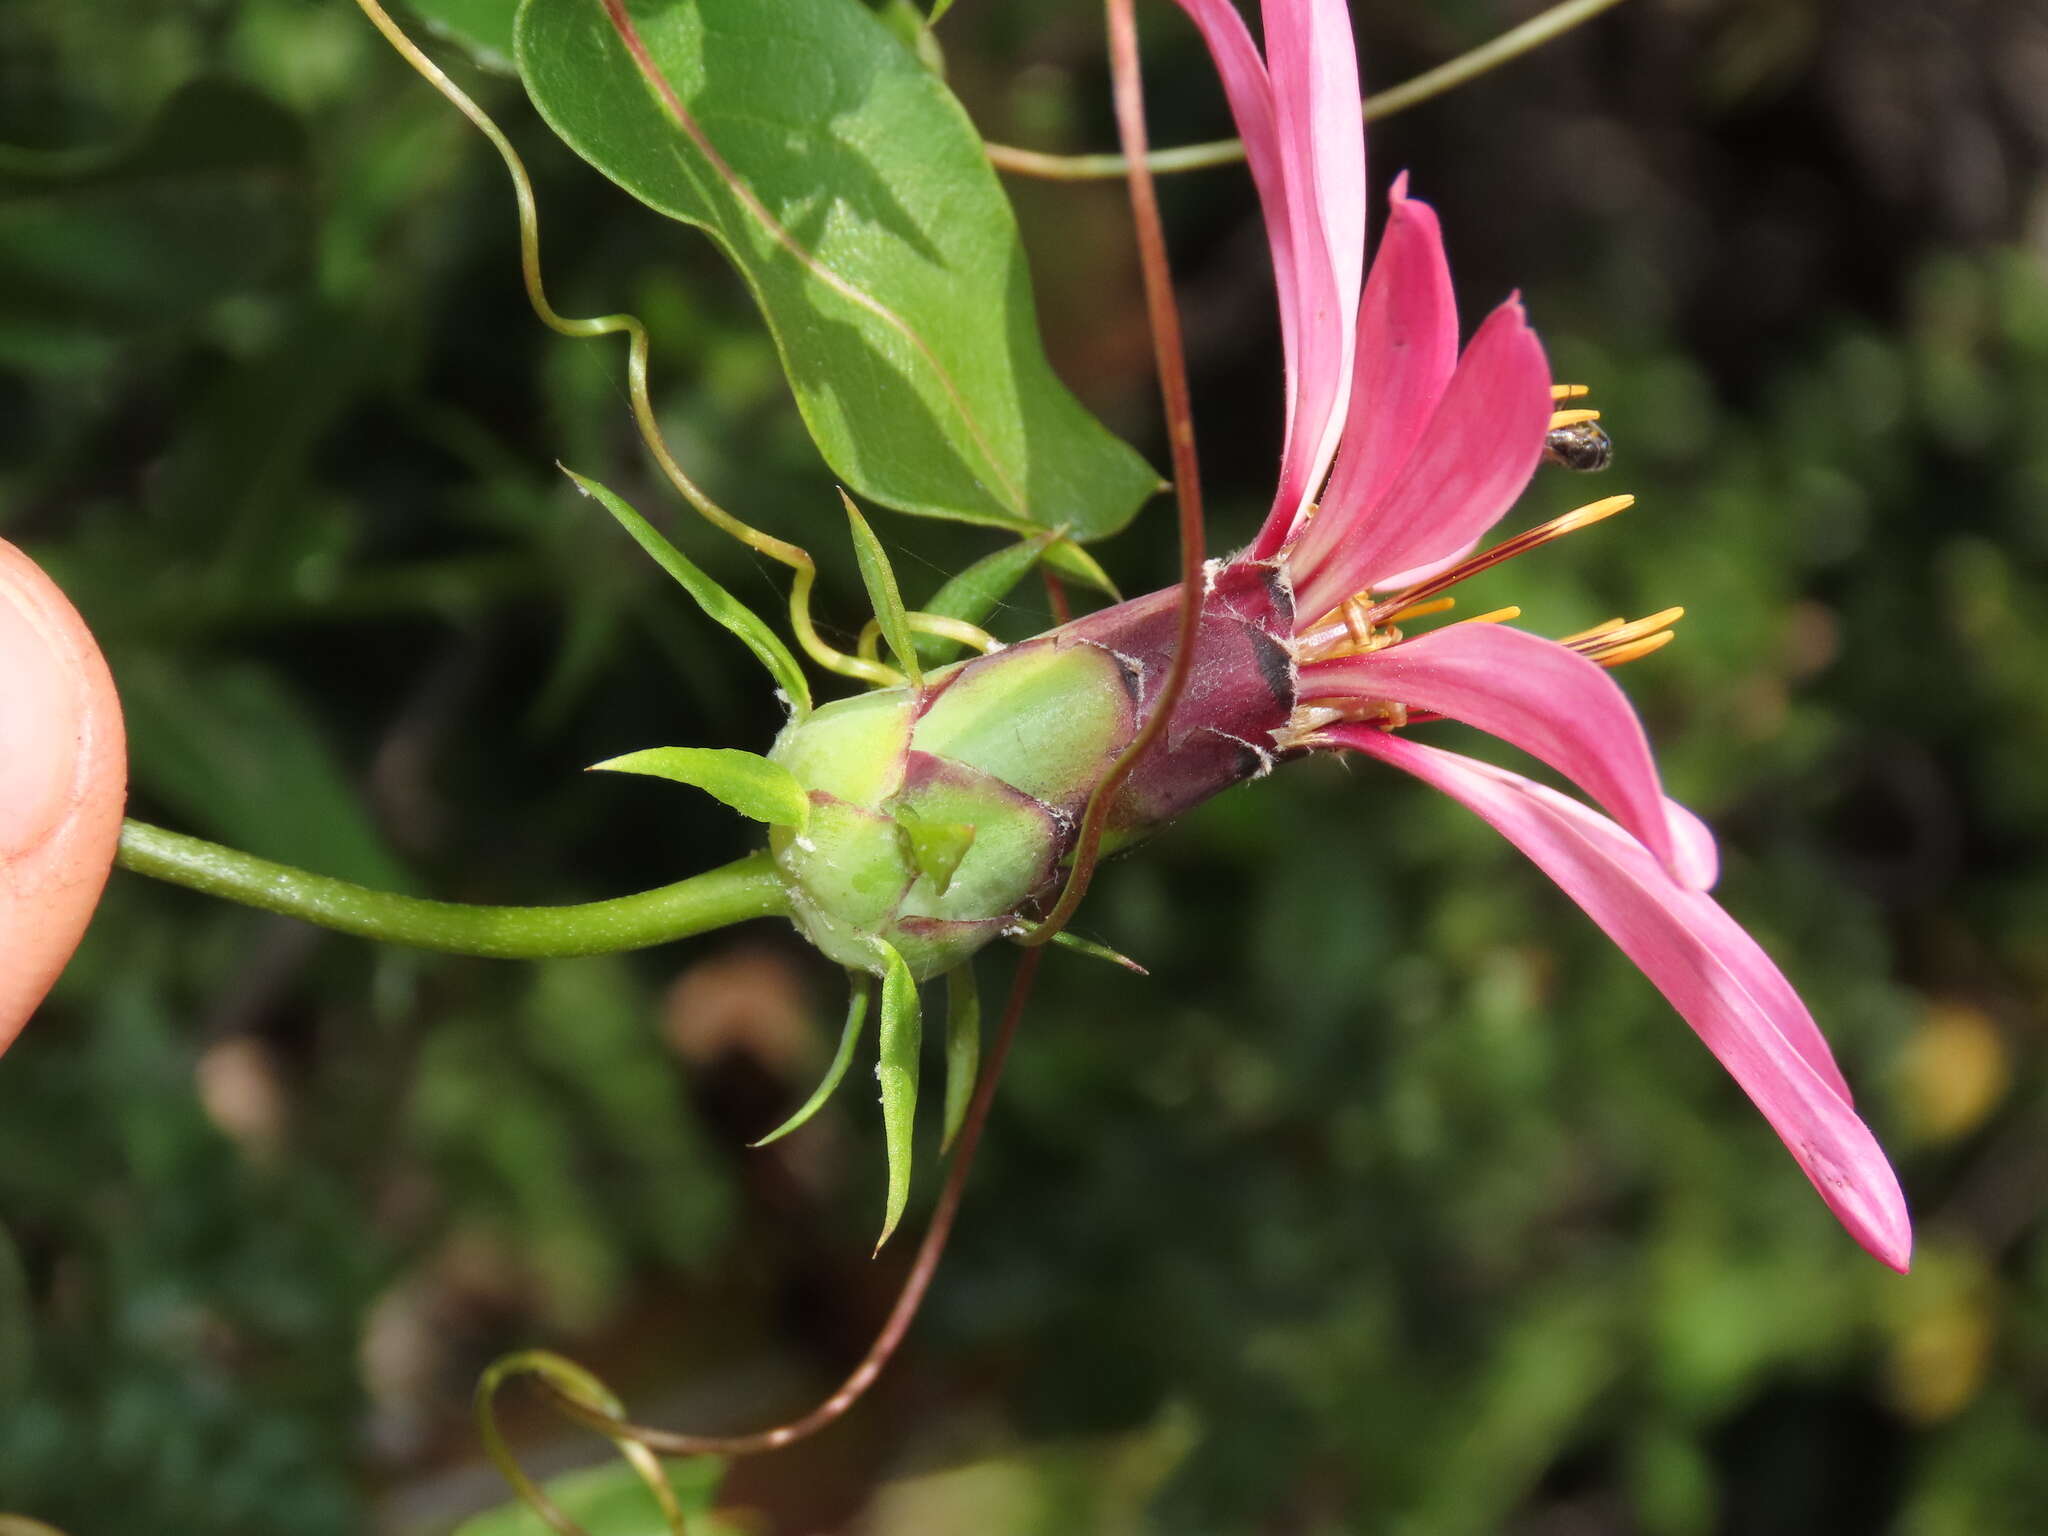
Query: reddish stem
{"points": [[1056, 597], [908, 1300], [1128, 86]]}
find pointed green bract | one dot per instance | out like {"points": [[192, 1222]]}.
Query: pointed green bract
{"points": [[1070, 559], [936, 847], [717, 603], [746, 781], [1067, 939], [849, 1041], [851, 190], [963, 1049], [879, 577], [902, 1039]]}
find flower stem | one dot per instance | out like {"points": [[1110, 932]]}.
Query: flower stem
{"points": [[1511, 44], [738, 891], [1163, 315]]}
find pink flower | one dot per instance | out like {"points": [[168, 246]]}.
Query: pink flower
{"points": [[1400, 453], [63, 777]]}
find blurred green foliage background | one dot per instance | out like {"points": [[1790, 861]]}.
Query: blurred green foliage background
{"points": [[1394, 1199]]}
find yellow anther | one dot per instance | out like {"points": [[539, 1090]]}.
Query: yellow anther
{"points": [[1559, 419], [1636, 649], [1661, 620], [1497, 616], [1583, 517], [1569, 391], [1423, 610], [1605, 627], [1485, 560]]}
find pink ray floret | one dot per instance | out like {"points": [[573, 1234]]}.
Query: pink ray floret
{"points": [[1400, 453], [1701, 960], [1551, 702]]}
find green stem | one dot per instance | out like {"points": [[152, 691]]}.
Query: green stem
{"points": [[743, 889]]}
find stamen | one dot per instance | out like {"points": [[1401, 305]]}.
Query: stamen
{"points": [[1521, 543], [1350, 630], [1570, 391], [1356, 623], [1635, 650], [1497, 616], [1562, 419], [1605, 627], [1424, 610], [1663, 619], [1612, 643], [1584, 517]]}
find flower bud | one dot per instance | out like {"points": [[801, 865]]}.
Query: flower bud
{"points": [[942, 817]]}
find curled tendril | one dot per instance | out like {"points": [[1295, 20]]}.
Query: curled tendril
{"points": [[569, 1381]]}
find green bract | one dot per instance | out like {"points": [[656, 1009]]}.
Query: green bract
{"points": [[933, 818], [940, 815]]}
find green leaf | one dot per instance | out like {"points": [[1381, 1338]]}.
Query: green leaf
{"points": [[879, 577], [746, 781], [963, 1048], [902, 1040], [849, 1038], [850, 189], [913, 31], [718, 603], [483, 28]]}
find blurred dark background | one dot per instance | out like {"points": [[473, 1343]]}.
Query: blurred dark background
{"points": [[1394, 1199]]}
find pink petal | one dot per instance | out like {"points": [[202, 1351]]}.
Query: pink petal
{"points": [[1712, 972], [63, 779], [1698, 866], [1699, 856], [1313, 67], [1415, 575], [1477, 453], [1250, 93], [1549, 701], [1407, 351]]}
